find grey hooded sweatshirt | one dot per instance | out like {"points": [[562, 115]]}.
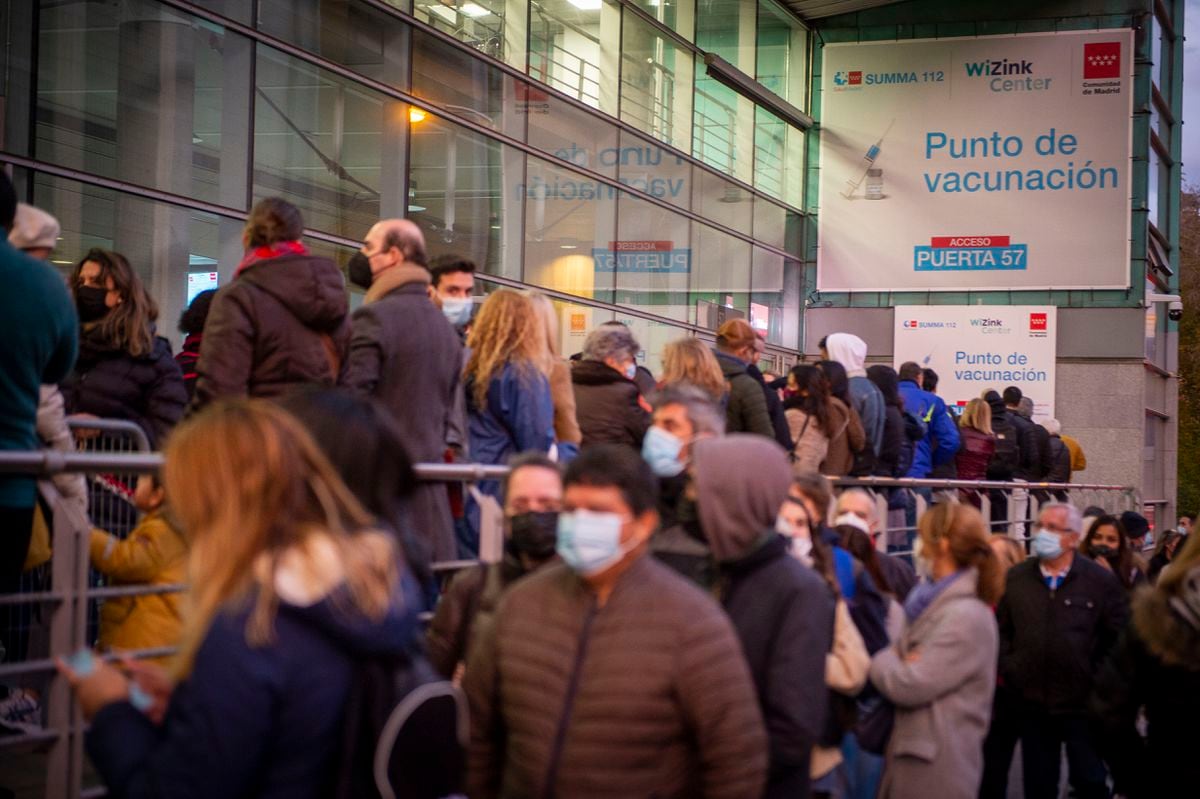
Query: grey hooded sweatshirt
{"points": [[851, 352]]}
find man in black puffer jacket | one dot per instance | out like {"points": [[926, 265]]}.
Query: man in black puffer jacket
{"points": [[1059, 617]]}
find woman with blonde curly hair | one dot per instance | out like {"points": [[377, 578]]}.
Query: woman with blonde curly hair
{"points": [[506, 380], [566, 426], [689, 360]]}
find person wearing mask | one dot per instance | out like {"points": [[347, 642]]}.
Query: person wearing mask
{"points": [[1059, 617], [1187, 521], [642, 376], [747, 411], [1006, 459], [566, 424], [1107, 543], [532, 500], [608, 674], [941, 673], [1164, 553], [282, 323], [607, 401], [781, 609], [366, 447], [124, 370], [688, 360], [40, 332], [770, 392], [1155, 670], [844, 445], [405, 354], [899, 577], [509, 405], [191, 324], [851, 352], [976, 448], [810, 418], [683, 415], [290, 591], [452, 287], [939, 445], [901, 432]]}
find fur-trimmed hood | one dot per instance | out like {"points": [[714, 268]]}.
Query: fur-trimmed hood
{"points": [[1166, 634]]}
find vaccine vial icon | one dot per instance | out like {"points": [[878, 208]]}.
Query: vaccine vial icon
{"points": [[874, 184]]}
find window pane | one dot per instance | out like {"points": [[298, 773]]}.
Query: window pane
{"points": [[567, 219], [465, 193], [479, 23], [571, 133], [320, 142], [720, 199], [645, 166], [350, 33], [656, 84], [778, 158], [724, 129], [651, 258], [678, 15], [720, 270], [573, 46], [727, 27], [469, 87], [145, 94], [574, 324], [775, 303], [782, 48]]}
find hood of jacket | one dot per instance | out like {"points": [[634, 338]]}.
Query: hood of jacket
{"points": [[1164, 631], [731, 367], [389, 280], [741, 481], [996, 403], [849, 350], [311, 288], [596, 373]]}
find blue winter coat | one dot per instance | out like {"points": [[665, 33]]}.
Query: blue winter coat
{"points": [[251, 722], [940, 443]]}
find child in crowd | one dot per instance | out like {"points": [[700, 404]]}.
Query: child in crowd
{"points": [[155, 553]]}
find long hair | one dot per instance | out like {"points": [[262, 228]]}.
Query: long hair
{"points": [[1124, 565], [249, 486], [858, 544], [812, 395], [689, 360], [963, 526], [978, 416], [130, 325], [547, 318], [839, 382], [888, 383], [506, 331], [1184, 561]]}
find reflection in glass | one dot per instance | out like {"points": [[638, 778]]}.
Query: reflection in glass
{"points": [[782, 47], [331, 147], [465, 193], [714, 197], [568, 132], [573, 46], [142, 93], [775, 302], [478, 23], [723, 136], [644, 165], [678, 15], [656, 83], [651, 258], [570, 221], [720, 269]]}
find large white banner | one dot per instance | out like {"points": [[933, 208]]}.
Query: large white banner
{"points": [[976, 164], [974, 348]]}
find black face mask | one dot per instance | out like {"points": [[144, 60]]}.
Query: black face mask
{"points": [[534, 533], [89, 301], [1102, 551], [359, 270]]}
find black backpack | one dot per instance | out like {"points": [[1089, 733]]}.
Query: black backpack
{"points": [[1007, 457], [404, 734]]}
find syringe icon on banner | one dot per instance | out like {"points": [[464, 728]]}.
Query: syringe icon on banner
{"points": [[867, 162]]}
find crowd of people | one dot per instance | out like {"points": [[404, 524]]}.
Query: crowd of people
{"points": [[682, 607]]}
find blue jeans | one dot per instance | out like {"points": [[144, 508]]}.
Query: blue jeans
{"points": [[862, 771]]}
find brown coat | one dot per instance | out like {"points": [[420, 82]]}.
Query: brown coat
{"points": [[848, 438], [562, 393], [277, 326], [648, 695]]}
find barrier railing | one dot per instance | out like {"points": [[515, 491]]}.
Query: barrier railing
{"points": [[70, 591]]}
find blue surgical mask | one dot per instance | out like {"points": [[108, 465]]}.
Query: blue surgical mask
{"points": [[661, 450], [589, 542], [1046, 545], [457, 310], [631, 371]]}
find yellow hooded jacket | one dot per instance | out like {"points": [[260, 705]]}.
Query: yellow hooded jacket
{"points": [[155, 553]]}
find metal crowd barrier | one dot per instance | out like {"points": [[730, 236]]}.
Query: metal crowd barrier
{"points": [[69, 593]]}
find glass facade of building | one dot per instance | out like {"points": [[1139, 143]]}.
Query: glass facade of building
{"points": [[573, 145]]}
